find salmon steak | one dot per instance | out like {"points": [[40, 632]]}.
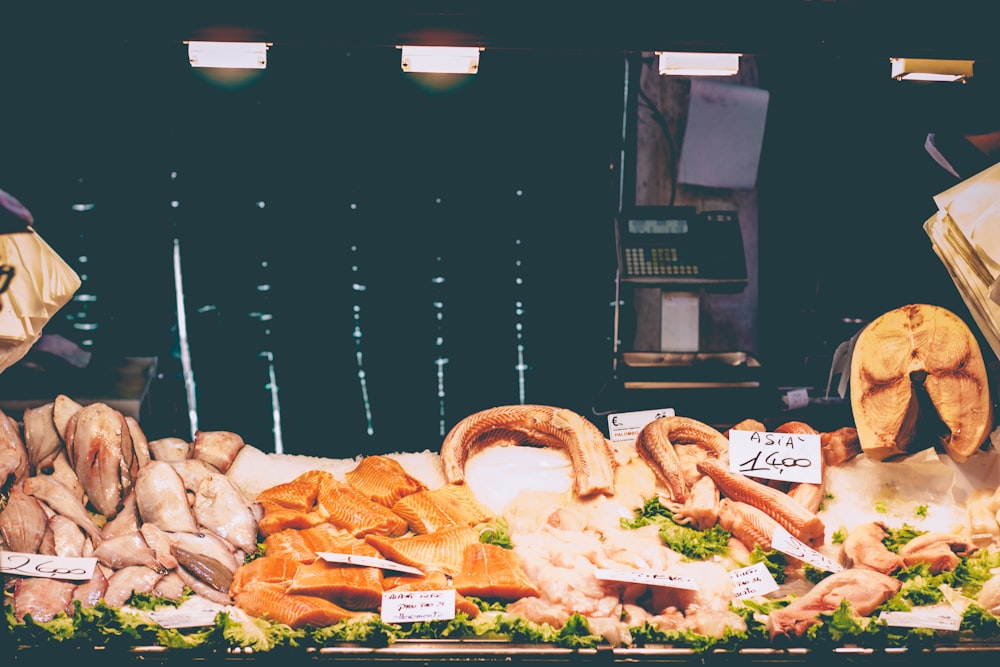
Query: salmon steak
{"points": [[271, 601], [492, 572], [383, 480], [442, 550], [449, 505]]}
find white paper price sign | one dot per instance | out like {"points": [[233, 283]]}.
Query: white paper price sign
{"points": [[195, 613], [939, 618], [412, 606], [366, 561], [51, 567], [792, 457], [787, 543], [648, 577], [752, 580], [624, 426]]}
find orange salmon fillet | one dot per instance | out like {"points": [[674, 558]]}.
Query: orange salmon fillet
{"points": [[271, 601], [269, 569], [442, 550], [492, 572], [383, 480], [446, 506], [355, 512]]}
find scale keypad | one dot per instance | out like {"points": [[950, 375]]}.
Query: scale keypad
{"points": [[660, 261]]}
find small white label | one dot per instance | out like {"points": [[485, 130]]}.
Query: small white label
{"points": [[791, 457], [624, 426], [797, 398], [648, 577], [752, 580], [196, 612], [50, 567], [938, 618], [366, 561], [412, 606], [787, 543]]}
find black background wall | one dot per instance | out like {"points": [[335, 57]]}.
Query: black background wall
{"points": [[429, 252]]}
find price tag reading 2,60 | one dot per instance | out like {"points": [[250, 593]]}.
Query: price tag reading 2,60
{"points": [[792, 457], [50, 567]]}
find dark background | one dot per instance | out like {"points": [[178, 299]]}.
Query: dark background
{"points": [[413, 228]]}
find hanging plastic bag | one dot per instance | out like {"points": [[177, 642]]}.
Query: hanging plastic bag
{"points": [[35, 282]]}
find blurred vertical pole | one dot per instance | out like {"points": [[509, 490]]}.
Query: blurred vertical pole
{"points": [[183, 343]]}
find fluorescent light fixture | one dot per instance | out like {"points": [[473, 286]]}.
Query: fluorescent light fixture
{"points": [[441, 59], [679, 63], [237, 55], [926, 69]]}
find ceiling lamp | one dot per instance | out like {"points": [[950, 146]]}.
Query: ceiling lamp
{"points": [[925, 69], [677, 63], [441, 59], [235, 55]]}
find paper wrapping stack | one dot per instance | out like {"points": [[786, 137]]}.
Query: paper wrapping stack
{"points": [[965, 234], [38, 283]]}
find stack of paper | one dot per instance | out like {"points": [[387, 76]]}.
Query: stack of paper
{"points": [[965, 234]]}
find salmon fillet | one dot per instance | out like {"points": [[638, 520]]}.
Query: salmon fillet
{"points": [[383, 480], [267, 569], [442, 550], [302, 545], [271, 601], [449, 505], [492, 572], [355, 512]]}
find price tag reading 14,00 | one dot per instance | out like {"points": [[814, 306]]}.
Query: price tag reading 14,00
{"points": [[791, 457]]}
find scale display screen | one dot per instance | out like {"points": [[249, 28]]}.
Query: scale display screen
{"points": [[658, 226]]}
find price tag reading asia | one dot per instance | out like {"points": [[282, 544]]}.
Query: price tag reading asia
{"points": [[51, 567], [791, 457], [412, 606], [624, 426]]}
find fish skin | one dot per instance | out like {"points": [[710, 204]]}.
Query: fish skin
{"points": [[656, 443], [162, 498], [14, 461], [125, 550], [589, 451], [41, 439], [61, 500], [788, 512], [22, 522], [96, 441], [221, 506]]}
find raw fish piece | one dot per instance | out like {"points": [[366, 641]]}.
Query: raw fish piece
{"points": [[589, 451], [492, 572], [353, 511], [22, 522], [442, 550], [449, 505], [162, 498], [383, 480], [270, 601], [219, 448], [269, 569], [302, 545]]}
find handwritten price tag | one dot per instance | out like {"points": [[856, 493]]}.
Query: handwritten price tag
{"points": [[647, 577], [624, 426], [787, 543], [791, 457], [367, 561], [752, 580], [51, 567], [412, 606]]}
